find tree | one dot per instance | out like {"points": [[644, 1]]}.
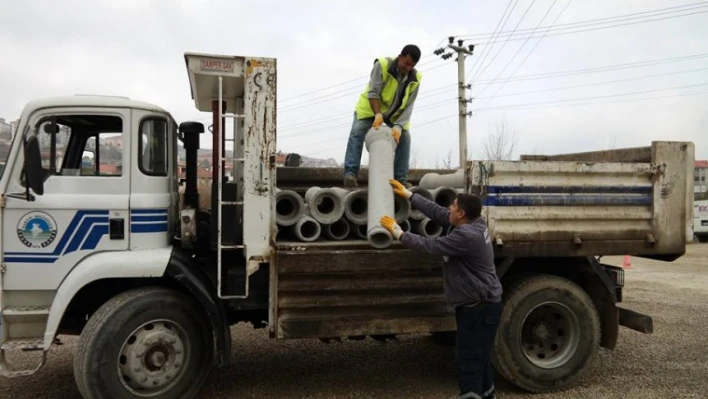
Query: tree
{"points": [[447, 161], [501, 144]]}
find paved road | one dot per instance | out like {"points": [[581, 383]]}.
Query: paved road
{"points": [[673, 362]]}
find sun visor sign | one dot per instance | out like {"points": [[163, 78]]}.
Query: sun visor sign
{"points": [[37, 229]]}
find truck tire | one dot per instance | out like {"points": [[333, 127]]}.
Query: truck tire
{"points": [[147, 342], [549, 333]]}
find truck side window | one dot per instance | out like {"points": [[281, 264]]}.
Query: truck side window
{"points": [[68, 145], [108, 160], [152, 159]]}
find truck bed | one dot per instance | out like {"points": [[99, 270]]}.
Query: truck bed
{"points": [[348, 289], [635, 201]]}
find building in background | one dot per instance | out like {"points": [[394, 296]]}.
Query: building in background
{"points": [[700, 179]]}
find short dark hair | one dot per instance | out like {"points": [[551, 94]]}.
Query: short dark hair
{"points": [[471, 204], [413, 51]]}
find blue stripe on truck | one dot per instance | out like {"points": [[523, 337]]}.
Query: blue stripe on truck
{"points": [[568, 200], [569, 189], [569, 196]]}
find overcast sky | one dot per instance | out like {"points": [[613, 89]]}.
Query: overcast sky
{"points": [[135, 48]]}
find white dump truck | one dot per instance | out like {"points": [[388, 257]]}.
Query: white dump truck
{"points": [[151, 282]]}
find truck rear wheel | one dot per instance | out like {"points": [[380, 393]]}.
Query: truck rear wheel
{"points": [[147, 342], [549, 333]]}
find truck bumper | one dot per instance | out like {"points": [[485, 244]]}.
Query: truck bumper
{"points": [[636, 321]]}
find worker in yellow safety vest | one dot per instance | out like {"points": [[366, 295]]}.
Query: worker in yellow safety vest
{"points": [[388, 98]]}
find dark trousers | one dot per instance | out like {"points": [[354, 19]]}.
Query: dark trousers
{"points": [[476, 329]]}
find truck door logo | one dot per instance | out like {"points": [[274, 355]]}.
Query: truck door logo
{"points": [[37, 230]]}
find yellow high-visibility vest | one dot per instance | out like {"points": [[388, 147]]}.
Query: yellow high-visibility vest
{"points": [[388, 94]]}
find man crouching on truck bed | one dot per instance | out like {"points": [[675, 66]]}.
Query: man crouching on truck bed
{"points": [[472, 287]]}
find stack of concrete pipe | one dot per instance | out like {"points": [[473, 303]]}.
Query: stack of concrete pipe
{"points": [[335, 213]]}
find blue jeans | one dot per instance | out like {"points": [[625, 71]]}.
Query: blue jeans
{"points": [[352, 158], [476, 331]]}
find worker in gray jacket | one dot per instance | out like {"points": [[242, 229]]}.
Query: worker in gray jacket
{"points": [[472, 287]]}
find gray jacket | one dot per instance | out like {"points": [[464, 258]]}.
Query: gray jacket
{"points": [[469, 272]]}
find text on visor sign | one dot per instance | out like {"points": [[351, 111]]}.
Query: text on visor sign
{"points": [[216, 66]]}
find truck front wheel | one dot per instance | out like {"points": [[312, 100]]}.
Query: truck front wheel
{"points": [[549, 333], [147, 342]]}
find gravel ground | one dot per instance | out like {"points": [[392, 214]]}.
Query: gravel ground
{"points": [[672, 362]]}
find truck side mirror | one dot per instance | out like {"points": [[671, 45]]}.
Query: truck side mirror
{"points": [[34, 177]]}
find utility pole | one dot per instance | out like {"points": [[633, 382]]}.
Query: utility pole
{"points": [[462, 52]]}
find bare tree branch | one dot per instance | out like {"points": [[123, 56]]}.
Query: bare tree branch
{"points": [[501, 144]]}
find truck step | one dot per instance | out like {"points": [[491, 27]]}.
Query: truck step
{"points": [[23, 344], [7, 371], [26, 311]]}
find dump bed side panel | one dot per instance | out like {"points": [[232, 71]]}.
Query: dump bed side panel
{"points": [[349, 289], [571, 208]]}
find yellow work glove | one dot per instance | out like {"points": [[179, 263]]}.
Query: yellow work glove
{"points": [[396, 133], [390, 224], [378, 120], [399, 189]]}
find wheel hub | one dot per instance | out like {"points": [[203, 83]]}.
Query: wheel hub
{"points": [[152, 358], [550, 335]]}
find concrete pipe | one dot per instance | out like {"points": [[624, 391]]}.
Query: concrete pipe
{"points": [[426, 228], [380, 145], [416, 214], [432, 181], [289, 207], [326, 205], [338, 230], [405, 226], [444, 196], [357, 231], [307, 229], [401, 208], [356, 204]]}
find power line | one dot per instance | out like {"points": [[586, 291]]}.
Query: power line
{"points": [[430, 93], [551, 105], [356, 79], [337, 95], [591, 84], [487, 49], [557, 74], [606, 68], [525, 58], [329, 127], [579, 24], [599, 21], [513, 106], [344, 83], [476, 75], [617, 25], [519, 50], [545, 75], [344, 143]]}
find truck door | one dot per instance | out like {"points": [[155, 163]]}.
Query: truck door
{"points": [[154, 180], [84, 208]]}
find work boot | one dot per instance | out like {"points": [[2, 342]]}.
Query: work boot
{"points": [[350, 181]]}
